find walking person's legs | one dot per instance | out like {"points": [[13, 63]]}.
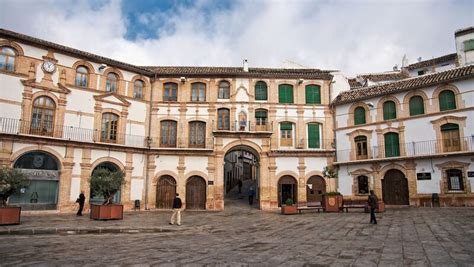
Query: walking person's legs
{"points": [[372, 216], [173, 217], [178, 217], [79, 212]]}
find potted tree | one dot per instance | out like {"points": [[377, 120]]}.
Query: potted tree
{"points": [[332, 200], [106, 183], [289, 207], [11, 182]]}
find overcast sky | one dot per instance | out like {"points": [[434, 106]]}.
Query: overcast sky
{"points": [[352, 36]]}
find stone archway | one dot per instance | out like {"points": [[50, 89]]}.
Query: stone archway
{"points": [[287, 188], [395, 188], [196, 193], [165, 192]]}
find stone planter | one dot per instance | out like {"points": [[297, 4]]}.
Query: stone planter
{"points": [[10, 215], [332, 203], [106, 212], [380, 206], [287, 210]]}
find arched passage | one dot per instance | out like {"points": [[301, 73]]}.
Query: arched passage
{"points": [[165, 192], [287, 188], [195, 193], [395, 188], [42, 169], [98, 199], [315, 188]]}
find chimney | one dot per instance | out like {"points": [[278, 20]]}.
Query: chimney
{"points": [[246, 65]]}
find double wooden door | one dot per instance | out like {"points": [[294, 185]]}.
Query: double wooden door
{"points": [[196, 193], [165, 192], [395, 188], [315, 188]]}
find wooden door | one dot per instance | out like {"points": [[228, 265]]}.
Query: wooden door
{"points": [[395, 188], [165, 192], [287, 187], [196, 193], [315, 188]]}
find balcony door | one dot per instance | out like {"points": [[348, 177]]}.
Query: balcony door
{"points": [[451, 138]]}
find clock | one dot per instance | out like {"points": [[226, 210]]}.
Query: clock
{"points": [[49, 66]]}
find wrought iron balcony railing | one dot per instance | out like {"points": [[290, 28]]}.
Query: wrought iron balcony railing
{"points": [[302, 143], [242, 126]]}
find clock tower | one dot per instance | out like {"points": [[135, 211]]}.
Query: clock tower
{"points": [[49, 67]]}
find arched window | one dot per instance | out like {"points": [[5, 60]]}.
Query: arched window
{"points": [[447, 100], [82, 76], [109, 127], [313, 94], [314, 135], [261, 117], [223, 119], [112, 82], [285, 94], [359, 116], [416, 105], [261, 91], [224, 90], [168, 133], [451, 138], [7, 58], [392, 145], [138, 89], [286, 134], [197, 134], [170, 92], [363, 184], [389, 110], [361, 147], [198, 92], [42, 120]]}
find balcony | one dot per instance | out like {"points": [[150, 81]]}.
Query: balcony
{"points": [[409, 150], [243, 127], [290, 144], [181, 142]]}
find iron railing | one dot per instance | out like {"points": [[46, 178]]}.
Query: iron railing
{"points": [[243, 126], [302, 143], [181, 142]]}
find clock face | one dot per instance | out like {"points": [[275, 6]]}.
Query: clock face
{"points": [[49, 66]]}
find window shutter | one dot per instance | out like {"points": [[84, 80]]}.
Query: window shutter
{"points": [[286, 126], [261, 91], [359, 116], [313, 132], [447, 100], [392, 145], [285, 94], [468, 45], [416, 106], [449, 127], [260, 114], [389, 111], [313, 94]]}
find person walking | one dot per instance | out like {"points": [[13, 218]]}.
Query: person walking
{"points": [[81, 199], [373, 201], [239, 183], [176, 216], [251, 195]]}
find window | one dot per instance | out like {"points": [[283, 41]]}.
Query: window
{"points": [[197, 134], [82, 75], [447, 100], [170, 92], [416, 105], [392, 145], [138, 89], [314, 136], [468, 45], [261, 116], [224, 90], [389, 110], [421, 72], [43, 116], [359, 116], [286, 131], [223, 119], [168, 133], [361, 147], [109, 127], [198, 92], [285, 94], [313, 94], [7, 59], [455, 180], [261, 91], [112, 82], [451, 138], [363, 184]]}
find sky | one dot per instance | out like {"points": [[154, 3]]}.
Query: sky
{"points": [[352, 36]]}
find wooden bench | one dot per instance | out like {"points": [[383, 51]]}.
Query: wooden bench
{"points": [[310, 206], [354, 204]]}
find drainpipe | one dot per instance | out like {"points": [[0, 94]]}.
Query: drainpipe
{"points": [[148, 143], [333, 111]]}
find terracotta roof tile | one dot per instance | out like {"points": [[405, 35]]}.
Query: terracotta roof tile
{"points": [[433, 61], [385, 76]]}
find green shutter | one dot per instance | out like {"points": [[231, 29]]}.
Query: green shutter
{"points": [[261, 91], [392, 145], [285, 94], [313, 132], [449, 127], [416, 106], [447, 100], [260, 114], [360, 138], [359, 116], [389, 111], [313, 94], [469, 45], [286, 126]]}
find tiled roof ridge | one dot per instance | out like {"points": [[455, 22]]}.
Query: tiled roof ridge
{"points": [[430, 62], [238, 68]]}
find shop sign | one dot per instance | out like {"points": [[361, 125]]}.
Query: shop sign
{"points": [[34, 174], [423, 176], [470, 174]]}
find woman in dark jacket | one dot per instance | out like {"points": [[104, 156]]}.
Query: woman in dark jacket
{"points": [[373, 205]]}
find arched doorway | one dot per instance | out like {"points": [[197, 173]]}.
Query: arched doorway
{"points": [[99, 199], [315, 188], [42, 169], [241, 173], [287, 188], [196, 193], [395, 188], [165, 192]]}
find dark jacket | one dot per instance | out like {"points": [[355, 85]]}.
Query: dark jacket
{"points": [[81, 199], [373, 201], [177, 203]]}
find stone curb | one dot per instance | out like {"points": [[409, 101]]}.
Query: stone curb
{"points": [[79, 231]]}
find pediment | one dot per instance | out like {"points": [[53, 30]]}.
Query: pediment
{"points": [[59, 88], [112, 98]]}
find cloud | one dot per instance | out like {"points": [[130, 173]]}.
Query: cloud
{"points": [[355, 36]]}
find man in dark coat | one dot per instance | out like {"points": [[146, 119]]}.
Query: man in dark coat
{"points": [[81, 201], [176, 210], [373, 202]]}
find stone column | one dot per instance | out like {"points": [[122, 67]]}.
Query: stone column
{"points": [[211, 172], [219, 183], [300, 129], [6, 152], [64, 202], [377, 185], [410, 166], [150, 186], [126, 198], [272, 184], [301, 181], [86, 173], [181, 183]]}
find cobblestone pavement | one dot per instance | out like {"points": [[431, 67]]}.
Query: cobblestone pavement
{"points": [[244, 236]]}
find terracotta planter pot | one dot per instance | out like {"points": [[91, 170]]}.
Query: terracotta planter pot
{"points": [[381, 206], [10, 215], [106, 212], [287, 210], [332, 203]]}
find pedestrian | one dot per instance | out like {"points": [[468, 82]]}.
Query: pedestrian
{"points": [[176, 211], [239, 183], [251, 195], [81, 199], [373, 201]]}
